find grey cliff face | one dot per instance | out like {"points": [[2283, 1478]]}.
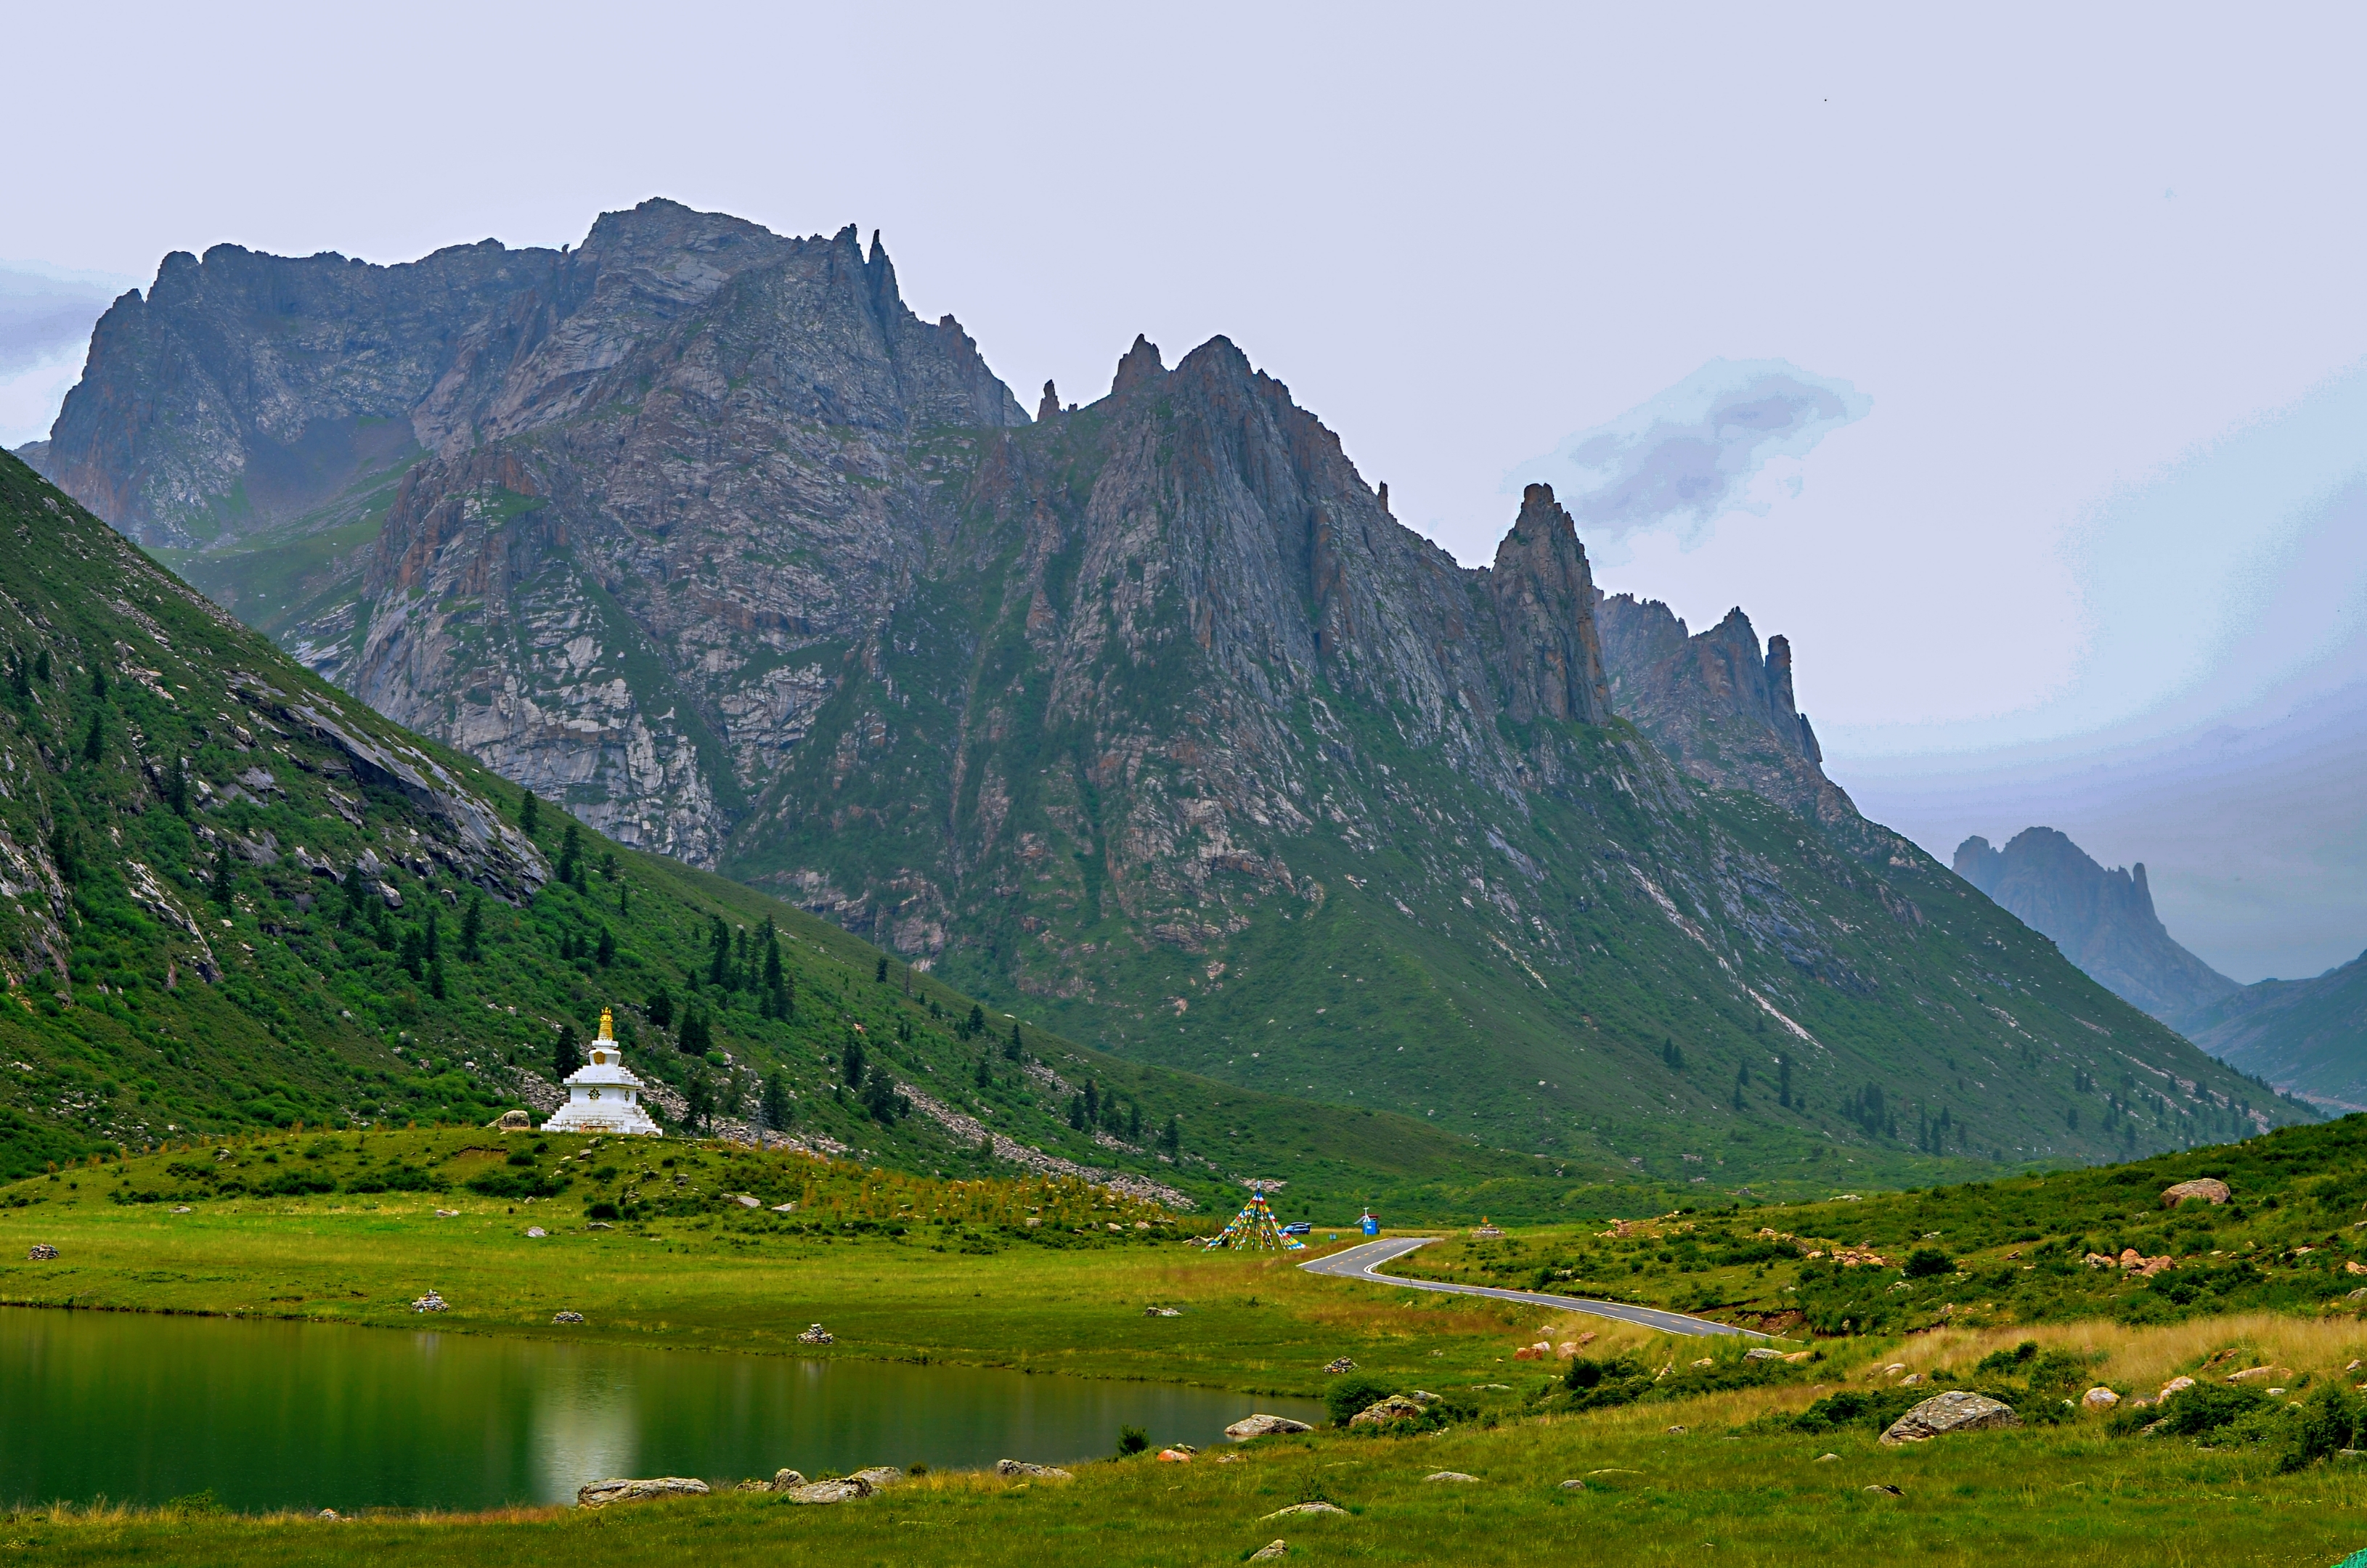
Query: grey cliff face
{"points": [[1721, 709], [2103, 920]]}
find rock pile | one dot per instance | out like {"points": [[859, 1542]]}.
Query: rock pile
{"points": [[816, 1334], [431, 1301], [42, 1252], [1340, 1364], [1395, 1407], [1019, 1468], [567, 1317]]}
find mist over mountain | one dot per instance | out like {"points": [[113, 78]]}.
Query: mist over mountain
{"points": [[1146, 717]]}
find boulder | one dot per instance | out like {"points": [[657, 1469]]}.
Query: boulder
{"points": [[600, 1494], [1250, 1427], [1174, 1456], [784, 1480], [1017, 1469], [2261, 1374], [1762, 1353], [1272, 1551], [2210, 1189], [1162, 1311], [747, 1201], [181, 1209], [845, 1491], [511, 1122], [1380, 1413], [535, 1233], [1454, 1476], [1886, 1491], [1315, 1507], [1341, 1365], [878, 1476], [42, 1252], [1823, 1457], [2100, 1398], [1573, 1485], [567, 1317], [1956, 1411], [783, 1209], [2173, 1386]]}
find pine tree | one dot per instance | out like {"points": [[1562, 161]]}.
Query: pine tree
{"points": [[850, 1063], [605, 952], [472, 928], [529, 814], [1783, 1082], [1133, 1122], [984, 1076], [177, 785], [415, 951], [1093, 1101], [20, 678], [1077, 1111], [696, 1038], [94, 745], [225, 885], [697, 1103], [719, 943], [777, 1100], [357, 889], [1171, 1137], [1671, 1057], [434, 945], [659, 1007], [571, 845], [879, 973], [42, 667], [976, 1018], [436, 978], [98, 680], [564, 1057], [1017, 1050]]}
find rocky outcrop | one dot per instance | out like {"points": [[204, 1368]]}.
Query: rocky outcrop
{"points": [[1262, 1425], [2209, 1188], [1722, 710], [1551, 657], [601, 1493], [2103, 920], [1943, 1414]]}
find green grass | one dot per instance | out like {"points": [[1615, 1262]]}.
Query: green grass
{"points": [[2063, 1496]]}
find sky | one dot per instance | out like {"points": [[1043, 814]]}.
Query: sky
{"points": [[2008, 359]]}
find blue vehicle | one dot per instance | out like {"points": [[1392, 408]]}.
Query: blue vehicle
{"points": [[1296, 1227]]}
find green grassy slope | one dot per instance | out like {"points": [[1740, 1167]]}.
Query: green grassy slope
{"points": [[126, 890]]}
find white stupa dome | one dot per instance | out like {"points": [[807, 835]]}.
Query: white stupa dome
{"points": [[602, 1095]]}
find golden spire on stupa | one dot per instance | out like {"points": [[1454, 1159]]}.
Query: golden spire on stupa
{"points": [[608, 1025]]}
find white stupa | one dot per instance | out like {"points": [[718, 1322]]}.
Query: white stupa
{"points": [[602, 1095]]}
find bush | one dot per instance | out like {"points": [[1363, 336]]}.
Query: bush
{"points": [[1130, 1440], [2201, 1410], [1925, 1262], [2328, 1422], [603, 1210], [1351, 1394]]}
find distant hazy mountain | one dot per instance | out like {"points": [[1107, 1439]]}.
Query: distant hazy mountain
{"points": [[2307, 1037], [2103, 920]]}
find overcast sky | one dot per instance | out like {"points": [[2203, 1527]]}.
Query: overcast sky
{"points": [[2055, 311]]}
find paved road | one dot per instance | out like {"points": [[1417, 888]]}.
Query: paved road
{"points": [[1360, 1262]]}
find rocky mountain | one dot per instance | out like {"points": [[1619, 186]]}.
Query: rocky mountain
{"points": [[1718, 707], [233, 897], [1144, 717], [2103, 920]]}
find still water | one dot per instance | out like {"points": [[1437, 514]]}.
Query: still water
{"points": [[141, 1408]]}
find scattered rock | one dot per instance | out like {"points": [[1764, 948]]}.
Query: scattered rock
{"points": [[535, 1233], [878, 1476], [1676, 1431], [511, 1122], [2173, 1386], [42, 1252], [1762, 1353], [1573, 1485], [745, 1201], [431, 1301], [600, 1494], [1888, 1491], [2100, 1398], [753, 1485], [1250, 1427], [447, 1214], [567, 1317], [1893, 1370], [845, 1491], [784, 1480], [1910, 1379], [1423, 1396], [1956, 1411], [1380, 1413], [330, 1514], [1798, 1357], [816, 1334], [785, 1209], [1162, 1311], [1174, 1456], [181, 1209], [1533, 1353], [1227, 1459], [1315, 1507], [2261, 1374], [1823, 1457], [1010, 1468], [1454, 1475], [1706, 1362], [1341, 1365], [2210, 1189], [1273, 1551]]}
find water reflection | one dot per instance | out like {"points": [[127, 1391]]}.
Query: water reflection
{"points": [[142, 1408]]}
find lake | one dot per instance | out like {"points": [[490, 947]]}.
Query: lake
{"points": [[141, 1408]]}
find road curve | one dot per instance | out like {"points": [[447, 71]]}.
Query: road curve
{"points": [[1360, 1262]]}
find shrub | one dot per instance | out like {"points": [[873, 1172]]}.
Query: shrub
{"points": [[1351, 1394], [1130, 1440], [2201, 1410], [1925, 1262]]}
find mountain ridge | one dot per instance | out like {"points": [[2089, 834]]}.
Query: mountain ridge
{"points": [[1146, 715]]}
